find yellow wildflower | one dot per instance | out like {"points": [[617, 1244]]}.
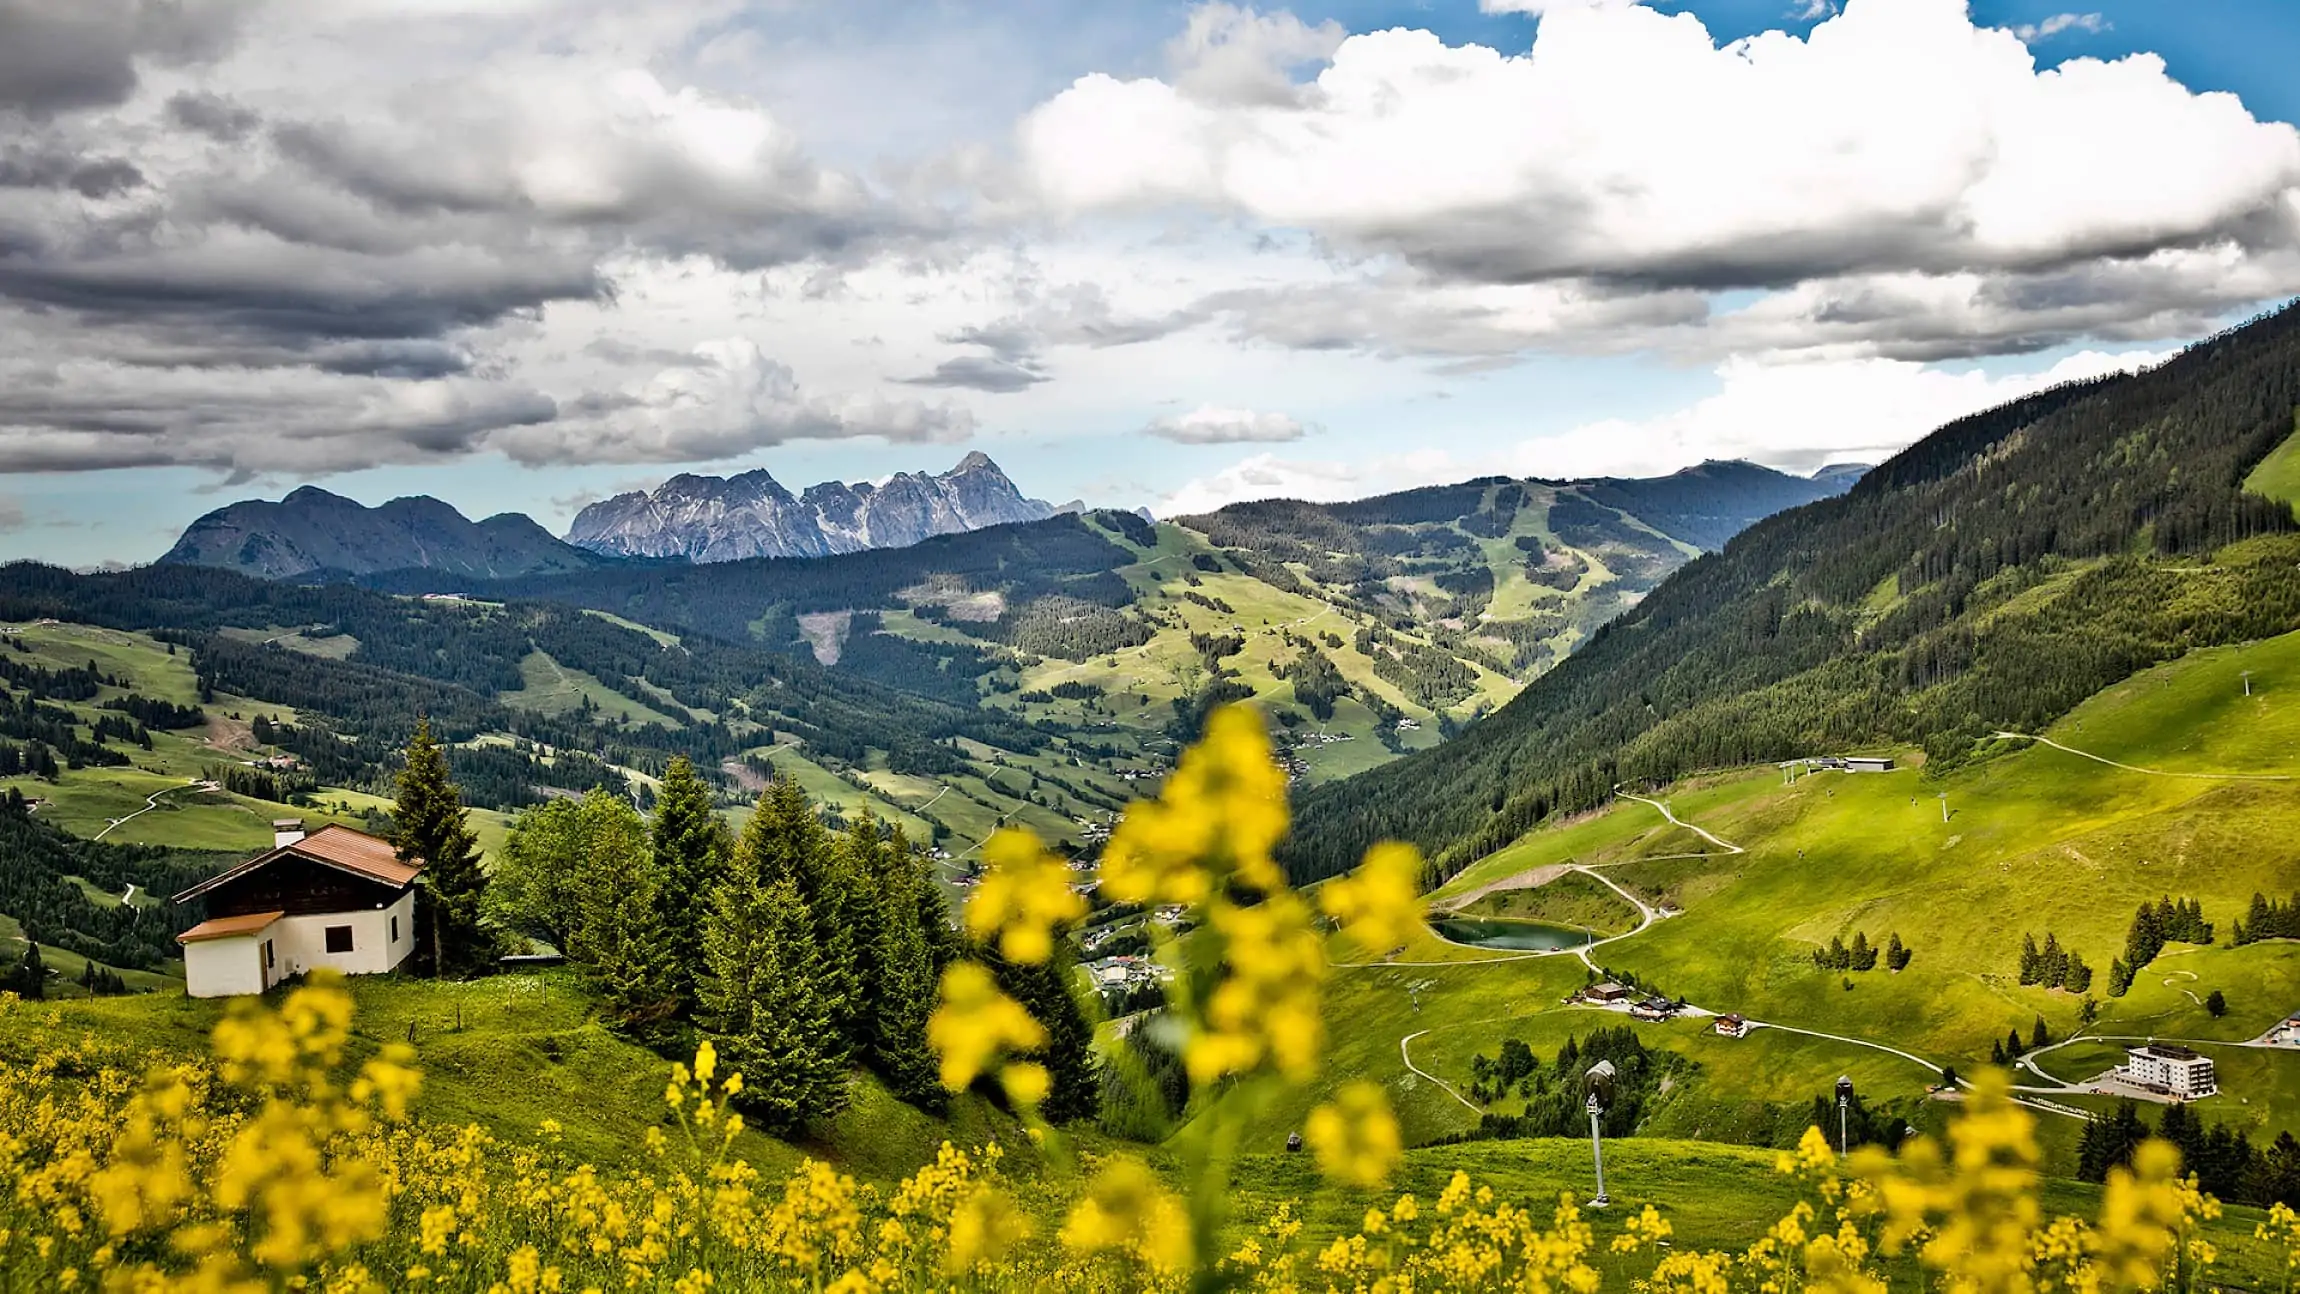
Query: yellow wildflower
{"points": [[1379, 905], [1024, 897], [1355, 1136], [974, 1023]]}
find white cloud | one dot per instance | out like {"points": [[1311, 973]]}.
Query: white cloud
{"points": [[1791, 416], [1234, 55], [2059, 23], [1213, 425], [1629, 146]]}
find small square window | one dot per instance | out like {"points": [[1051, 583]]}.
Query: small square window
{"points": [[339, 939]]}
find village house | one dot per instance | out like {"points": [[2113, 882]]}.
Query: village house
{"points": [[1730, 1025], [2177, 1071], [1608, 992], [335, 897]]}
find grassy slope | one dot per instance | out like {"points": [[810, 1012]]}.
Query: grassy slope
{"points": [[2037, 840], [552, 688], [2278, 475]]}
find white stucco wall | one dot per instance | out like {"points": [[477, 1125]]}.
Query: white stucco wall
{"points": [[303, 940], [224, 967]]}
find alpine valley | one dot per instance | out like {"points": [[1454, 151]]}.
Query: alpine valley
{"points": [[1741, 782]]}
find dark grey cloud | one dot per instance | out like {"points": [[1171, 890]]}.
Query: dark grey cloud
{"points": [[63, 55], [78, 415], [214, 115], [980, 373], [49, 167]]}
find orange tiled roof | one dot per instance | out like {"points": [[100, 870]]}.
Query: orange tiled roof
{"points": [[356, 851], [227, 927], [339, 847]]}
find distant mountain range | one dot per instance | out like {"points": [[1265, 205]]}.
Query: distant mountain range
{"points": [[313, 532], [725, 519], [710, 519], [691, 518]]}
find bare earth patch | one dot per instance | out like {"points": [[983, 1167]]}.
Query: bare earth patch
{"points": [[826, 633], [1531, 879]]}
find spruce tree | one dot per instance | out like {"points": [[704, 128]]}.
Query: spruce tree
{"points": [[429, 824], [2040, 1035], [1047, 992], [899, 992], [762, 1003], [784, 840], [1896, 952], [32, 974], [618, 937], [691, 846], [2108, 1141], [2013, 1046], [1864, 952]]}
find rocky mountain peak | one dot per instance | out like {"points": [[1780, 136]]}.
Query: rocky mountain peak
{"points": [[717, 519]]}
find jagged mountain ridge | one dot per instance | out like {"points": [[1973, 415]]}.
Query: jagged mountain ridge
{"points": [[312, 531], [723, 519]]}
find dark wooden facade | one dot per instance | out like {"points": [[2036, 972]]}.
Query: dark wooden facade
{"points": [[298, 887]]}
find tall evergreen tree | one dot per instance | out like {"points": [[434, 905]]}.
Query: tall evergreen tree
{"points": [[429, 824], [762, 1004], [1047, 990], [31, 981], [899, 992], [2108, 1141], [691, 847], [618, 937], [784, 840]]}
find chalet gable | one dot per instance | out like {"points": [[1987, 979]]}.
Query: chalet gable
{"points": [[332, 867]]}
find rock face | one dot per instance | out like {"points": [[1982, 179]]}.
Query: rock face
{"points": [[312, 531], [725, 519]]}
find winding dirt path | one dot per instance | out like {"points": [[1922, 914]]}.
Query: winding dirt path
{"points": [[151, 802], [2152, 772]]}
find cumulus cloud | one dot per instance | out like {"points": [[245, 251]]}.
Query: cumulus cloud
{"points": [[1213, 425], [732, 400], [1629, 151], [1227, 54], [1794, 417]]}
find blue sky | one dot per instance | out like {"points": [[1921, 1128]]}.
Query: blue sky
{"points": [[522, 256]]}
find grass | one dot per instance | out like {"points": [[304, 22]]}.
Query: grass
{"points": [[2278, 475], [552, 688]]}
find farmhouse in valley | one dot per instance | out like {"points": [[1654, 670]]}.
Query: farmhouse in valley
{"points": [[336, 897]]}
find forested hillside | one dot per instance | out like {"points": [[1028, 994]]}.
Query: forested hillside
{"points": [[1989, 577]]}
